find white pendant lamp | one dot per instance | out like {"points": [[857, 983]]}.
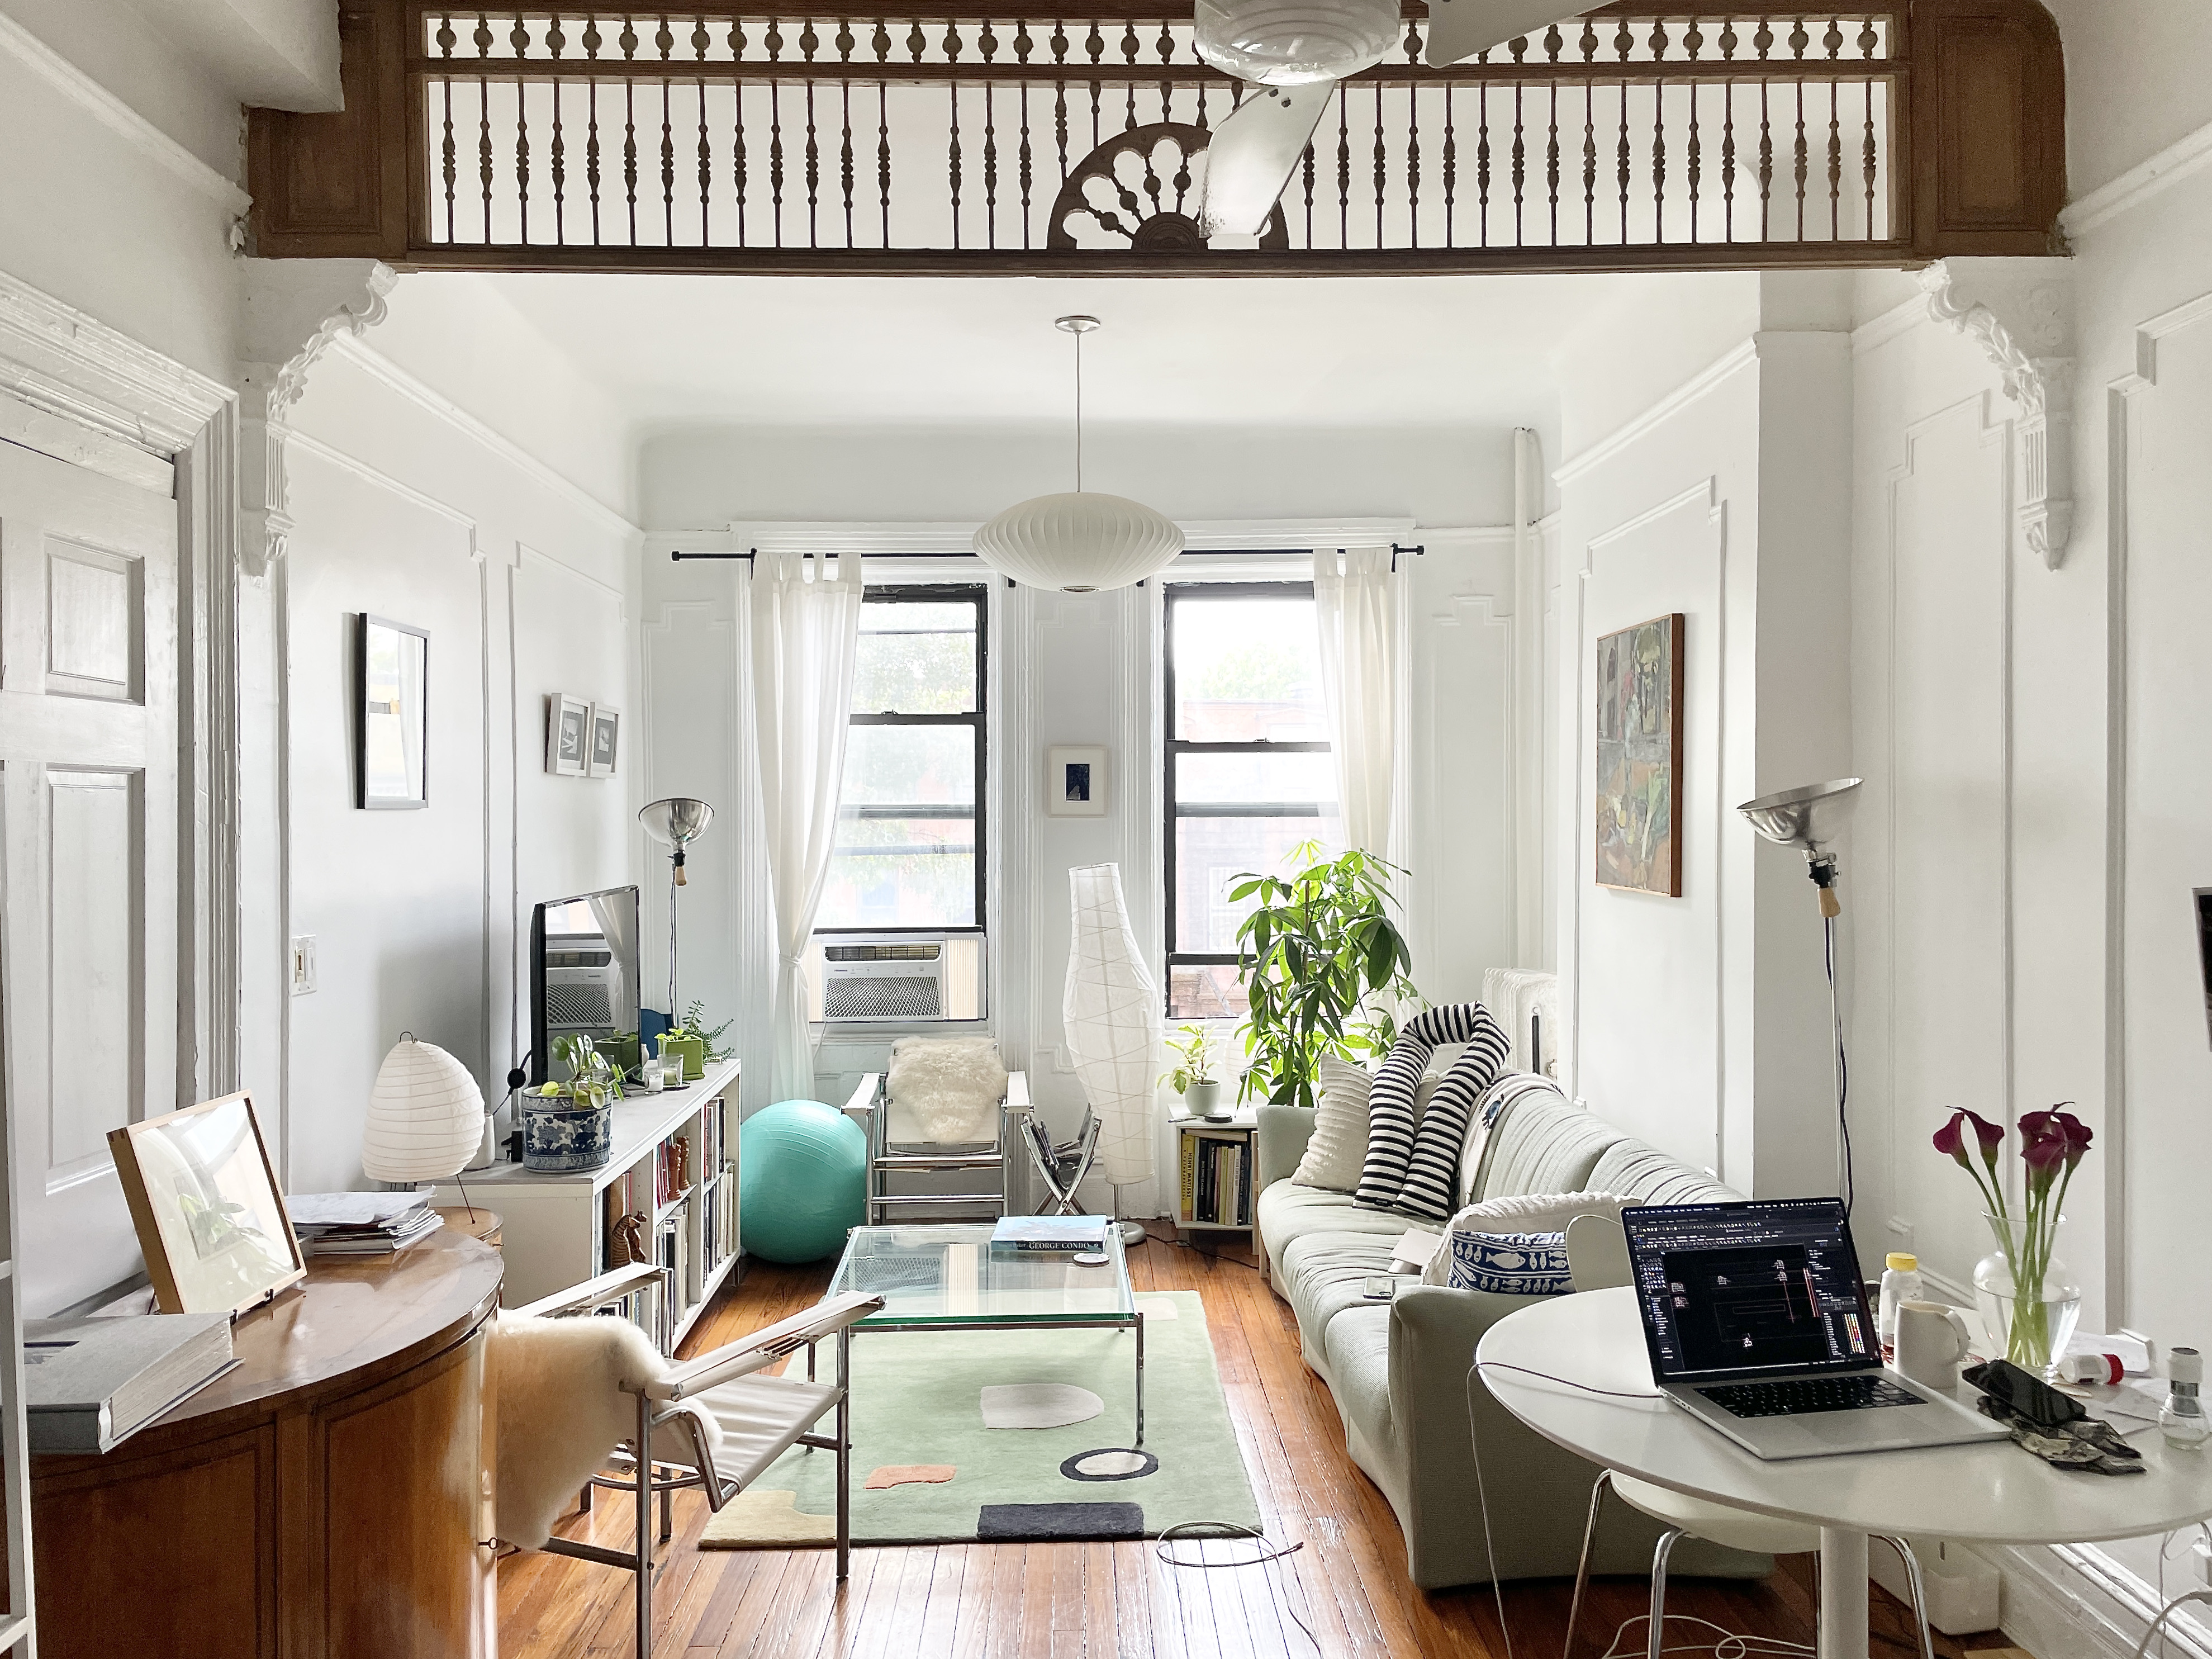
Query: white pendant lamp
{"points": [[1081, 541], [426, 1115]]}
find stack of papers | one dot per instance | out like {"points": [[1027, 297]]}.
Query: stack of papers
{"points": [[361, 1223]]}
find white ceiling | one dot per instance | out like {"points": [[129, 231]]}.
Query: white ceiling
{"points": [[680, 351]]}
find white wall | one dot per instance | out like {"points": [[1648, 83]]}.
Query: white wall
{"points": [[1695, 1022], [410, 509]]}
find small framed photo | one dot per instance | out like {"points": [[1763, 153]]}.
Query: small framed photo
{"points": [[568, 735], [606, 730], [203, 1196], [391, 673], [1075, 782]]}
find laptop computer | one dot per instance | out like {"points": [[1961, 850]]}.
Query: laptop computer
{"points": [[1757, 1325]]}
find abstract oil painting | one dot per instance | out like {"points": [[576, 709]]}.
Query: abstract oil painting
{"points": [[1639, 757]]}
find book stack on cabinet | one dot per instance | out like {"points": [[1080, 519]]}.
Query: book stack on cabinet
{"points": [[668, 1195], [1214, 1193]]}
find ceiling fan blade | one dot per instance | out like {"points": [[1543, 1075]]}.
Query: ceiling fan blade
{"points": [[1252, 154], [1461, 28]]}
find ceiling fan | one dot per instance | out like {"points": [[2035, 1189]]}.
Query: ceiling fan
{"points": [[1291, 53]]}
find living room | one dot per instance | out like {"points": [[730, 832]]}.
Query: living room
{"points": [[1926, 519]]}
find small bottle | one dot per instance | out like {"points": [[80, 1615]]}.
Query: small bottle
{"points": [[2183, 1421], [1900, 1282]]}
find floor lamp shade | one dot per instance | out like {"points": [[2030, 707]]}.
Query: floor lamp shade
{"points": [[1110, 1015], [426, 1115]]}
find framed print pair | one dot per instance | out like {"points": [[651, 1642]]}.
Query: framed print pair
{"points": [[582, 739]]}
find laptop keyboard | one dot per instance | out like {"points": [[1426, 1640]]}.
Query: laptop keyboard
{"points": [[1803, 1396]]}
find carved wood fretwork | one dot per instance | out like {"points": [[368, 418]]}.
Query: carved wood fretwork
{"points": [[704, 136]]}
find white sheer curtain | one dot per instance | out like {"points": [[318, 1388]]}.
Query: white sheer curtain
{"points": [[1355, 602], [805, 635]]}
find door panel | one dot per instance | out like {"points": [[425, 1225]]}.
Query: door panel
{"points": [[89, 769]]}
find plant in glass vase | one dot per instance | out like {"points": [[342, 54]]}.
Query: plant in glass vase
{"points": [[2027, 1299]]}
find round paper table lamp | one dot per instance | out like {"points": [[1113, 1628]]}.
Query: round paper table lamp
{"points": [[426, 1115]]}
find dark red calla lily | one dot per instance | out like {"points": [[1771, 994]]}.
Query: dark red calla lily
{"points": [[1950, 1139]]}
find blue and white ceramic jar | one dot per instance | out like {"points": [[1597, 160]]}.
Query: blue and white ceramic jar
{"points": [[559, 1135]]}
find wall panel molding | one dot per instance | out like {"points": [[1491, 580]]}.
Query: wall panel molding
{"points": [[2141, 183]]}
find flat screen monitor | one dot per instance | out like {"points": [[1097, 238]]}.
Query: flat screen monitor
{"points": [[583, 971]]}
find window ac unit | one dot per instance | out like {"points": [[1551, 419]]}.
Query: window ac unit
{"points": [[883, 979]]}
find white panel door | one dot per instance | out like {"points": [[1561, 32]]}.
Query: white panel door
{"points": [[88, 781]]}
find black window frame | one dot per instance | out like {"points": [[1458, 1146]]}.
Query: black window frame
{"points": [[979, 595], [1173, 595]]}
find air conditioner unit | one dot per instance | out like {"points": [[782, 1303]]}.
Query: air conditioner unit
{"points": [[885, 978]]}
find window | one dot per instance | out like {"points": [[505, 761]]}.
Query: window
{"points": [[1248, 771], [909, 851]]}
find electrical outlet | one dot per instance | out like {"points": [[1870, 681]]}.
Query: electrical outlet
{"points": [[303, 964]]}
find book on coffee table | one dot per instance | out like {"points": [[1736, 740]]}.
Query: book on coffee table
{"points": [[1062, 1233]]}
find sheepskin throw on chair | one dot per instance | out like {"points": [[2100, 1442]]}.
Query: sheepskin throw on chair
{"points": [[1110, 1014]]}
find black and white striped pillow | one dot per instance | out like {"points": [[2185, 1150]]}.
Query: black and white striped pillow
{"points": [[1400, 1153]]}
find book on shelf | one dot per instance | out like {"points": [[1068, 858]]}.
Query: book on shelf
{"points": [[1189, 1149], [91, 1383]]}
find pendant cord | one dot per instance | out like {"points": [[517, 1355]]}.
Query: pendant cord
{"points": [[1079, 412]]}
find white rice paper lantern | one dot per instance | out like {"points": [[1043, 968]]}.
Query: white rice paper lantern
{"points": [[1083, 542], [426, 1115], [1110, 1015]]}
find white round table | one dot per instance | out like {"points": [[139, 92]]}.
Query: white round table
{"points": [[1994, 1492]]}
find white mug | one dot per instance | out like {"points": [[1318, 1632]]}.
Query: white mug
{"points": [[1931, 1341]]}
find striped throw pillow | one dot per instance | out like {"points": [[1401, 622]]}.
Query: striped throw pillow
{"points": [[1404, 1160]]}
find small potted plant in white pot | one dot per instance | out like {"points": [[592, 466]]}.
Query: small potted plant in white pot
{"points": [[1192, 1076]]}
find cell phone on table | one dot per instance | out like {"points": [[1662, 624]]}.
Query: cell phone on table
{"points": [[1382, 1287]]}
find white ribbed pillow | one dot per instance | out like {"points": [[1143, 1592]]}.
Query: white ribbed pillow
{"points": [[1522, 1213], [1338, 1150]]}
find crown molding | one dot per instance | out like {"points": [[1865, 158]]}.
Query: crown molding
{"points": [[1737, 357], [119, 117], [2139, 183], [66, 362]]}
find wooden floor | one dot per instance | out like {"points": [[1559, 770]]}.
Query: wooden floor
{"points": [[1086, 1600]]}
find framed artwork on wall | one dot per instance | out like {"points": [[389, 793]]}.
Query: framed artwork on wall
{"points": [[1639, 757], [606, 730], [568, 735], [1075, 782], [392, 675], [203, 1196]]}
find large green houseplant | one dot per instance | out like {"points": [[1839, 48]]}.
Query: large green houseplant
{"points": [[1325, 965]]}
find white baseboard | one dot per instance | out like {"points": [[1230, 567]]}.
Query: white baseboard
{"points": [[2074, 1602]]}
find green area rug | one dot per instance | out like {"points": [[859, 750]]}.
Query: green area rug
{"points": [[916, 1401]]}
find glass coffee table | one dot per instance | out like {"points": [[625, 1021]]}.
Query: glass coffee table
{"points": [[951, 1277]]}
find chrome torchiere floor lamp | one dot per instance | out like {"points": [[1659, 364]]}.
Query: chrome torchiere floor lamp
{"points": [[675, 822]]}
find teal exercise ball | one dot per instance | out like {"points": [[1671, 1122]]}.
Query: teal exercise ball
{"points": [[803, 1181]]}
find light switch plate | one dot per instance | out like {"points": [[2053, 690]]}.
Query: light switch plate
{"points": [[303, 964]]}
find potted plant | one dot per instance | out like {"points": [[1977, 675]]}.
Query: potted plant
{"points": [[1192, 1076], [1324, 968], [569, 1124], [2027, 1299], [693, 1042]]}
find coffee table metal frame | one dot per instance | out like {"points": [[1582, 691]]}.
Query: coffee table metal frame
{"points": [[889, 1319]]}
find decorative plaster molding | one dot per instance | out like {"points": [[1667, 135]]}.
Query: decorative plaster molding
{"points": [[2185, 156], [1737, 357], [2020, 314], [323, 298], [119, 117], [67, 363]]}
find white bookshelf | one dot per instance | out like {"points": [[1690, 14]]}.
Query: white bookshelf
{"points": [[554, 1226], [1193, 1136]]}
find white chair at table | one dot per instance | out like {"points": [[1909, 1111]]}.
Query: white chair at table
{"points": [[758, 1417], [1597, 1259], [899, 1146]]}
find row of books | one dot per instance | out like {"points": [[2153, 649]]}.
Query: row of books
{"points": [[1217, 1179]]}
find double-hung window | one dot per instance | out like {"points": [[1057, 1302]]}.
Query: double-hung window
{"points": [[909, 855], [1249, 774]]}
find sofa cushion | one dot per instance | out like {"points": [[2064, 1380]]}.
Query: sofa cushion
{"points": [[1520, 1212], [1338, 1145], [1508, 1264], [1545, 1143], [1631, 1167], [1287, 1213], [1357, 1353], [1323, 1274]]}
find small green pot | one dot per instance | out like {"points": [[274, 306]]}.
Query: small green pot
{"points": [[624, 1052], [694, 1052]]}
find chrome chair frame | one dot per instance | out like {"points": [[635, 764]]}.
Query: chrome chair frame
{"points": [[1655, 1638], [869, 1102], [660, 1402]]}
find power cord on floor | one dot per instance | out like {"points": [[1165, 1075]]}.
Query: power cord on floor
{"points": [[1200, 1530], [1151, 1237], [1731, 1645], [2166, 1612]]}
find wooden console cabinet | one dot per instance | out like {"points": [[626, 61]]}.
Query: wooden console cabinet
{"points": [[329, 1498]]}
